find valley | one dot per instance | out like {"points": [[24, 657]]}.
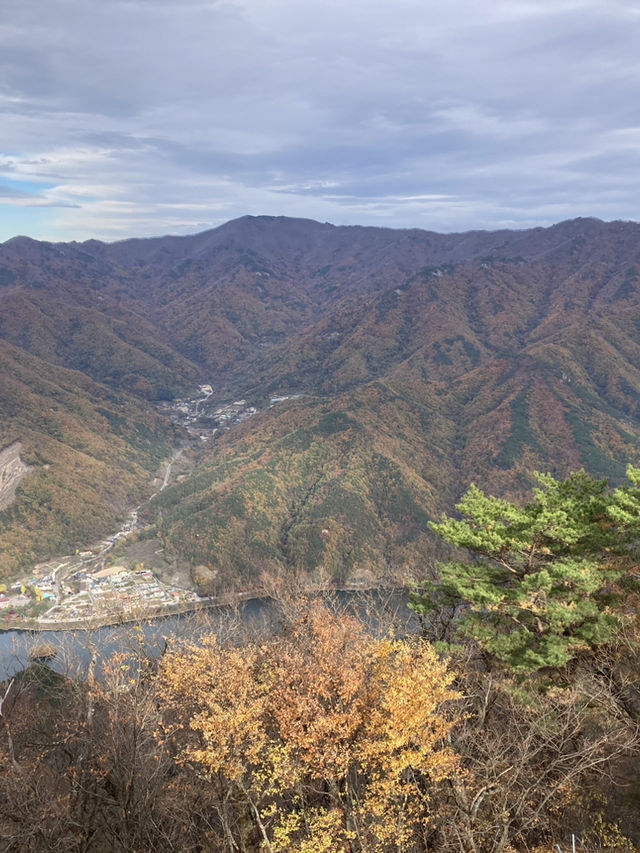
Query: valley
{"points": [[369, 376], [276, 411], [119, 579]]}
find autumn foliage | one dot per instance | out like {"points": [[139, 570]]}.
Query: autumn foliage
{"points": [[321, 733], [325, 737]]}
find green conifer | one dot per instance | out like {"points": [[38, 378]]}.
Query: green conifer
{"points": [[546, 580]]}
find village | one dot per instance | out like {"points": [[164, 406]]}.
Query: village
{"points": [[202, 418], [89, 587], [114, 593]]}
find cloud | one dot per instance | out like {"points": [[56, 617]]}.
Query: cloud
{"points": [[13, 193], [138, 117], [25, 196]]}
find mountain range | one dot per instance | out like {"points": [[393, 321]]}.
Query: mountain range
{"points": [[424, 361]]}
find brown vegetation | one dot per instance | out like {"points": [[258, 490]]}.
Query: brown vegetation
{"points": [[321, 736]]}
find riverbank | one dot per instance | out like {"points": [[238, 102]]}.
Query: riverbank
{"points": [[229, 599]]}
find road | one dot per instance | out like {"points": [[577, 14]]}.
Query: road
{"points": [[202, 400], [167, 474], [71, 564]]}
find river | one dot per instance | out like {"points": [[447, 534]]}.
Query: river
{"points": [[145, 639], [149, 640]]}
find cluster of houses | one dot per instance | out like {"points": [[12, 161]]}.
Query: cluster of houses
{"points": [[26, 592], [194, 414], [115, 589], [203, 422], [234, 413]]}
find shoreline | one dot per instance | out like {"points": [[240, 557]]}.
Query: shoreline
{"points": [[224, 600]]}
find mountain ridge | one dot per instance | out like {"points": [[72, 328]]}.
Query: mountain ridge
{"points": [[428, 360]]}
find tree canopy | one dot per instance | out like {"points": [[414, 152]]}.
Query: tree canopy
{"points": [[329, 738], [545, 580]]}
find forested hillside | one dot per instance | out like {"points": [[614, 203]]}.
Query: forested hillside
{"points": [[425, 361], [92, 452]]}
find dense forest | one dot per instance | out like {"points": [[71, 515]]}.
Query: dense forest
{"points": [[506, 719], [423, 362]]}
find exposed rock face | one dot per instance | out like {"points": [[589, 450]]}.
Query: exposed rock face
{"points": [[204, 578], [12, 471]]}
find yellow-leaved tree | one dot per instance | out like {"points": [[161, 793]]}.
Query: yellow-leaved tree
{"points": [[323, 738]]}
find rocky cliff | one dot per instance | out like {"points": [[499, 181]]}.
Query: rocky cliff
{"points": [[12, 471]]}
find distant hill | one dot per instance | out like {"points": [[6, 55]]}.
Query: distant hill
{"points": [[429, 360]]}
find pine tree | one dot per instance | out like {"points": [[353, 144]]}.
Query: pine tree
{"points": [[545, 579]]}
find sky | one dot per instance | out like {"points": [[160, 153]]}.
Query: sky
{"points": [[123, 118]]}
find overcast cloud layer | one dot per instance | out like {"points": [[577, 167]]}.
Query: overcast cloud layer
{"points": [[143, 117]]}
